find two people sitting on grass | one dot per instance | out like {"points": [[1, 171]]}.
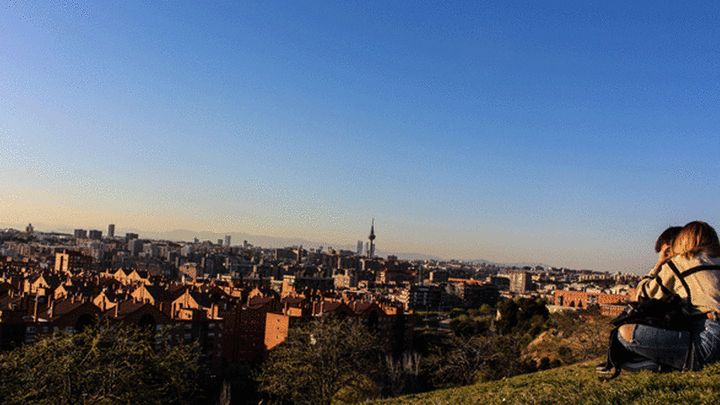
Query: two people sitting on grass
{"points": [[688, 272]]}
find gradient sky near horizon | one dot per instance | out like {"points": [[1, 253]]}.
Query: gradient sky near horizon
{"points": [[566, 133]]}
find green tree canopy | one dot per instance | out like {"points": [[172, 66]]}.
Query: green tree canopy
{"points": [[101, 365], [322, 361], [523, 315]]}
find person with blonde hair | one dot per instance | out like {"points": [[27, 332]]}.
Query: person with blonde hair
{"points": [[689, 267]]}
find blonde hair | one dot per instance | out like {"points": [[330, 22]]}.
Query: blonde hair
{"points": [[696, 238]]}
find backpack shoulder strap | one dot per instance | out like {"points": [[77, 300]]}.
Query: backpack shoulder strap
{"points": [[697, 269], [660, 284], [679, 276]]}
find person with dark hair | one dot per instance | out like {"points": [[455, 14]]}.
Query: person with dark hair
{"points": [[666, 239], [663, 245]]}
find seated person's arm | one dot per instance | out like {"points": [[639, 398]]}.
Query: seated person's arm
{"points": [[659, 283]]}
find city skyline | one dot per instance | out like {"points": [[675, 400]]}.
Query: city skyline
{"points": [[187, 235], [566, 134], [269, 241]]}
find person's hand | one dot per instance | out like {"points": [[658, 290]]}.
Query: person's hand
{"points": [[666, 252], [664, 255]]}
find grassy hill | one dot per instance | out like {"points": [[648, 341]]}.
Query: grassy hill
{"points": [[579, 384]]}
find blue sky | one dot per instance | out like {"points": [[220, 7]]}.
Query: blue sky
{"points": [[564, 133]]}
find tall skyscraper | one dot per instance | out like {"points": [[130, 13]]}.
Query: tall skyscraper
{"points": [[95, 234], [371, 238], [227, 240], [359, 248], [111, 231], [135, 246]]}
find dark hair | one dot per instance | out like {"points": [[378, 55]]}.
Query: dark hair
{"points": [[667, 237]]}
